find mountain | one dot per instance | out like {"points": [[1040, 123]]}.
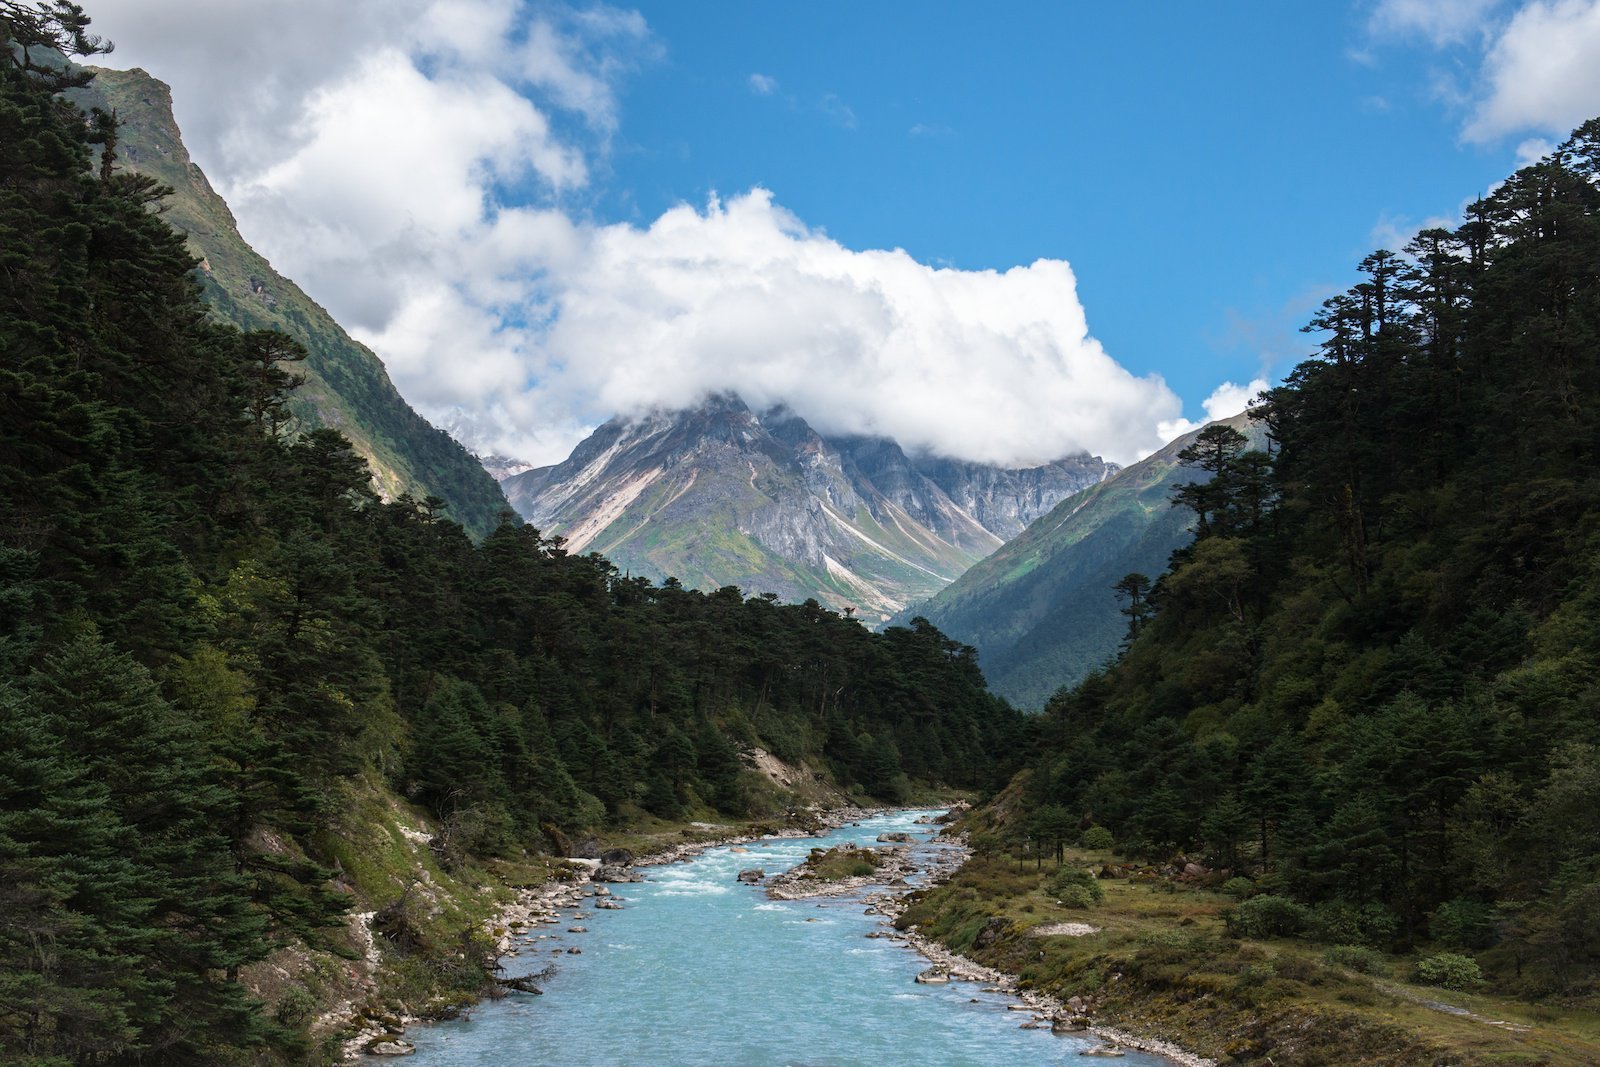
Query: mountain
{"points": [[1040, 610], [346, 386], [721, 495]]}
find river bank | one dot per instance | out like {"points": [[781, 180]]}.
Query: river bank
{"points": [[897, 866], [1154, 959], [567, 885]]}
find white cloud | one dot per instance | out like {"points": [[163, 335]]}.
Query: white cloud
{"points": [[1226, 400], [1542, 72], [423, 193], [763, 84], [742, 296], [1530, 66], [838, 110], [1442, 22], [1533, 150]]}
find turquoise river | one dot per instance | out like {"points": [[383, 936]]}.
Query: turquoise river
{"points": [[700, 969]]}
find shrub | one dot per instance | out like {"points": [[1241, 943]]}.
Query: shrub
{"points": [[1266, 916], [1239, 887], [1450, 970], [1068, 878], [1337, 922], [1299, 969], [1097, 837], [1074, 895], [1357, 958]]}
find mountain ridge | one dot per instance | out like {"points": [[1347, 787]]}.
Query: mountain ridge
{"points": [[346, 387], [722, 495]]}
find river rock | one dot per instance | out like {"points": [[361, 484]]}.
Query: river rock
{"points": [[618, 857], [390, 1046], [614, 873], [577, 929], [896, 838], [1069, 1024], [752, 875], [934, 976], [1108, 1052]]}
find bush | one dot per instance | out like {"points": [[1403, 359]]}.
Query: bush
{"points": [[1067, 879], [1266, 916], [1097, 837], [1357, 958], [1075, 896], [1337, 922], [1239, 887], [1450, 970]]}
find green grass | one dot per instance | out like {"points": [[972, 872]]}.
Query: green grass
{"points": [[1162, 965]]}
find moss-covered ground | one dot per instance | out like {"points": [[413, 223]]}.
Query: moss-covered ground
{"points": [[1162, 964]]}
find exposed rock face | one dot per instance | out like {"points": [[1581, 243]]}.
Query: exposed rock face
{"points": [[721, 495]]}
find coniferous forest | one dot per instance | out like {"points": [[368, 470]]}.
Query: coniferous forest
{"points": [[211, 625], [1369, 686]]}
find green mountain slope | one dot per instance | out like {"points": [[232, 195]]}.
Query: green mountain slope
{"points": [[1040, 610], [346, 386]]}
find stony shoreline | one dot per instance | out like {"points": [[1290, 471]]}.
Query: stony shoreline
{"points": [[1045, 1010]]}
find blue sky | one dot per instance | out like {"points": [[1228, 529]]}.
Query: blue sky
{"points": [[1001, 231], [1210, 171]]}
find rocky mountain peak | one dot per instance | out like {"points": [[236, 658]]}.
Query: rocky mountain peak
{"points": [[720, 494]]}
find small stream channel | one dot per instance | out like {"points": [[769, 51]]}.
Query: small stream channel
{"points": [[699, 969]]}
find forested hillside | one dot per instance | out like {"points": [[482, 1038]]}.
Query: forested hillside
{"points": [[221, 653], [1041, 610], [1370, 685]]}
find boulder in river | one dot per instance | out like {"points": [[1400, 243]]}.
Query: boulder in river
{"points": [[934, 976], [896, 838], [1109, 1052], [612, 873], [752, 875], [620, 857], [390, 1046]]}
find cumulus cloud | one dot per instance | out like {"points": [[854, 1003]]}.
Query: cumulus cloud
{"points": [[1542, 72], [1226, 400], [1532, 66], [742, 296], [423, 187], [763, 84]]}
